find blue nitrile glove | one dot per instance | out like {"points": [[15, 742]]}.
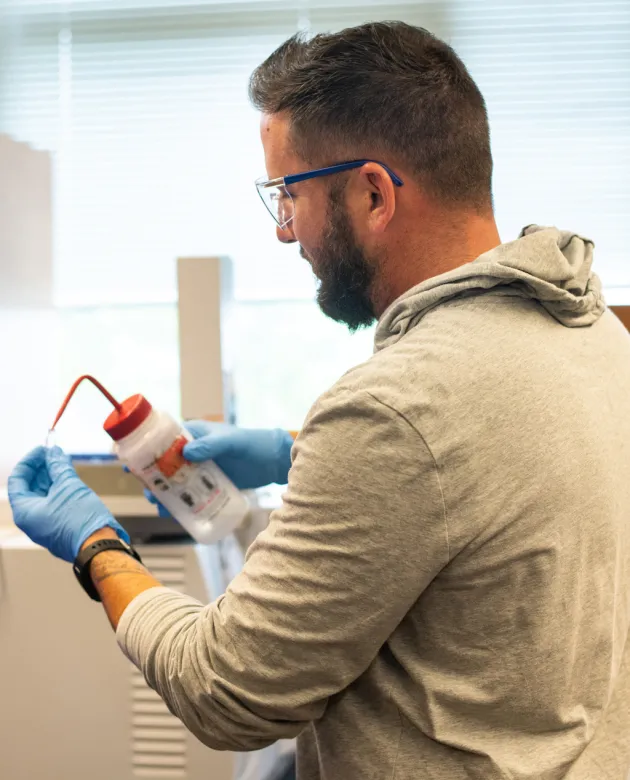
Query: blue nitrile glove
{"points": [[249, 457], [53, 507]]}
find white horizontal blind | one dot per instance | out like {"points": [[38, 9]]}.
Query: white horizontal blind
{"points": [[144, 104], [556, 77], [156, 146]]}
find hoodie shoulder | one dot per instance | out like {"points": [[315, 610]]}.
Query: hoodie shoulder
{"points": [[546, 265], [389, 377]]}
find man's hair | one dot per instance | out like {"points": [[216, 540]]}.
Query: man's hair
{"points": [[381, 89]]}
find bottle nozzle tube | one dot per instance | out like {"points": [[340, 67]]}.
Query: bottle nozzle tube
{"points": [[68, 398]]}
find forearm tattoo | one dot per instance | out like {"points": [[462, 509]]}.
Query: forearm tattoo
{"points": [[115, 564]]}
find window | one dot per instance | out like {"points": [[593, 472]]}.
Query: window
{"points": [[143, 105]]}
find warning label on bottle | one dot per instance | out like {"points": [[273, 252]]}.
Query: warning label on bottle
{"points": [[179, 484]]}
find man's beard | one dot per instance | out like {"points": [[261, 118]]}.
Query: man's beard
{"points": [[345, 276]]}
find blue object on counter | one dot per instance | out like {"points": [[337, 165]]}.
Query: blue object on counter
{"points": [[95, 457]]}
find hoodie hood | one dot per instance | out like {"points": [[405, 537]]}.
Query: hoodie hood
{"points": [[547, 265]]}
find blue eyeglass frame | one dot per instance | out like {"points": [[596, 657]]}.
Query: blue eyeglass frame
{"points": [[294, 178]]}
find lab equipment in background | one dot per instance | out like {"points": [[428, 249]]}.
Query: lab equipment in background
{"points": [[68, 689], [198, 495]]}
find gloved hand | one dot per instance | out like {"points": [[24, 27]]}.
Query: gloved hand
{"points": [[53, 507], [249, 457]]}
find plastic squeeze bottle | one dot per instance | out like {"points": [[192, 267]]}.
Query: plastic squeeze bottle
{"points": [[150, 443], [198, 495]]}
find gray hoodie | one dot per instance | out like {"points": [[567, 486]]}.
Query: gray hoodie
{"points": [[445, 592]]}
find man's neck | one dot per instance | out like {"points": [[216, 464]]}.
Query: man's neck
{"points": [[433, 251]]}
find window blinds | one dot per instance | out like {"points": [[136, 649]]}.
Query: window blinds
{"points": [[144, 105]]}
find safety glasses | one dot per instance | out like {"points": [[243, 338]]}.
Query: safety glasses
{"points": [[277, 199]]}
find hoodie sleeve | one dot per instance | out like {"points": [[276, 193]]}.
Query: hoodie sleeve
{"points": [[360, 535]]}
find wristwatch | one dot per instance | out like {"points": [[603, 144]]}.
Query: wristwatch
{"points": [[83, 561]]}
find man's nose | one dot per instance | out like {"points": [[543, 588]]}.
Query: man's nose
{"points": [[286, 234]]}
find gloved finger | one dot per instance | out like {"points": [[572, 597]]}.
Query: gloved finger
{"points": [[211, 447], [162, 510], [59, 464], [149, 496], [23, 475], [198, 428], [126, 469]]}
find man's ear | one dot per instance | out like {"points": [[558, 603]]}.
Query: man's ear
{"points": [[381, 192]]}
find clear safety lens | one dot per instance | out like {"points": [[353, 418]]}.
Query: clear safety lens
{"points": [[277, 201]]}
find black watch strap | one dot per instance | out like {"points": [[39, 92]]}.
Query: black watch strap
{"points": [[83, 562]]}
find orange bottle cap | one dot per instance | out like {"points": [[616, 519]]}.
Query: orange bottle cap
{"points": [[132, 413]]}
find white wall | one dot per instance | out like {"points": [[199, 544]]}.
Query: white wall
{"points": [[28, 324], [28, 393], [25, 225]]}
